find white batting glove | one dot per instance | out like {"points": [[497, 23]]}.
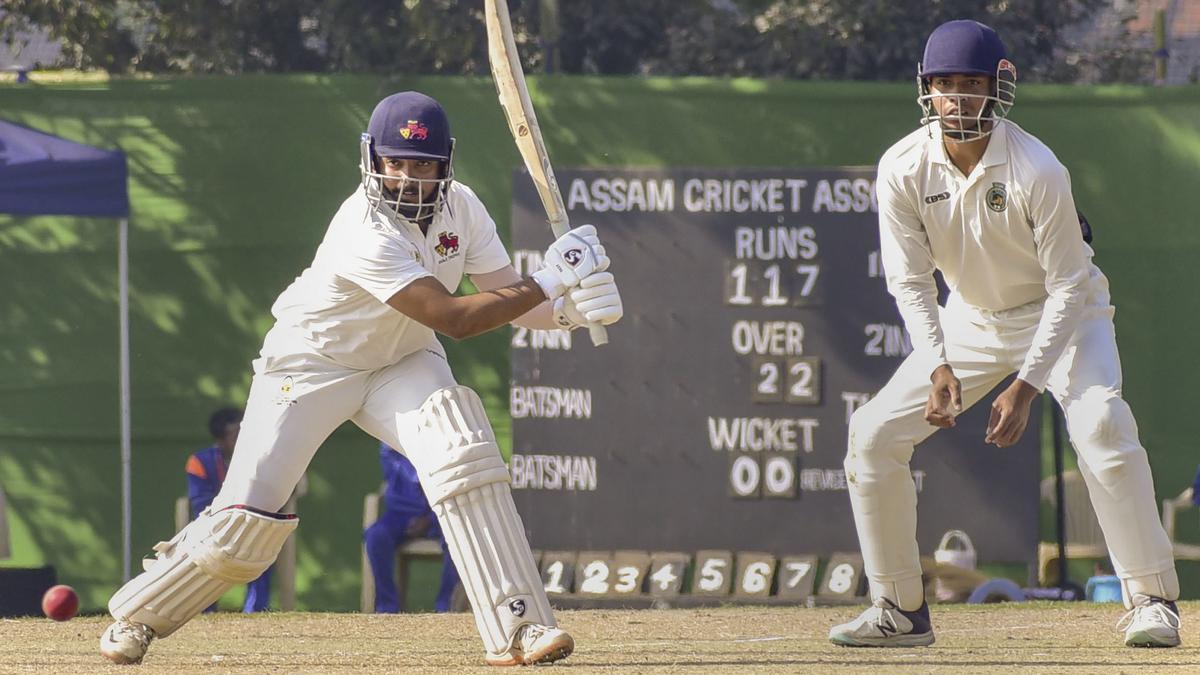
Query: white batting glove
{"points": [[595, 301], [572, 257], [566, 315]]}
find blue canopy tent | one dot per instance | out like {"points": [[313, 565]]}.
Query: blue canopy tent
{"points": [[44, 175]]}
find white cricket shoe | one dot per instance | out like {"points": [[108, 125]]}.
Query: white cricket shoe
{"points": [[535, 643], [1153, 622], [885, 625], [126, 642]]}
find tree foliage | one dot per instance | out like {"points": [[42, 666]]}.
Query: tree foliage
{"points": [[238, 36], [87, 30], [823, 39], [816, 39]]}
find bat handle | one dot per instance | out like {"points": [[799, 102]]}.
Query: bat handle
{"points": [[599, 334], [560, 226]]}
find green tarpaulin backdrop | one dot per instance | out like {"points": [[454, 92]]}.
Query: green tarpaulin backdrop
{"points": [[232, 182]]}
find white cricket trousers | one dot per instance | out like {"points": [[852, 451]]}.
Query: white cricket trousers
{"points": [[983, 348], [290, 413]]}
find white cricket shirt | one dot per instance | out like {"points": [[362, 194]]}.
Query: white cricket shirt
{"points": [[1005, 236], [336, 313]]}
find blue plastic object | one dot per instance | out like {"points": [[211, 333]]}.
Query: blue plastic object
{"points": [[996, 590], [1104, 588]]}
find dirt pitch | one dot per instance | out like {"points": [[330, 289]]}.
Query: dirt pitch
{"points": [[1009, 638]]}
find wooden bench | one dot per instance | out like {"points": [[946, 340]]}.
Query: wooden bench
{"points": [[1084, 537], [1170, 509]]}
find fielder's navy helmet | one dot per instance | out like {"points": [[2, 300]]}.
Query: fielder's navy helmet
{"points": [[965, 47], [962, 46]]}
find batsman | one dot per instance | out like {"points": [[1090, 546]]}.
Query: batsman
{"points": [[355, 339], [987, 203]]}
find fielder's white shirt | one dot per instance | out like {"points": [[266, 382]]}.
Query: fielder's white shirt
{"points": [[336, 312], [1005, 236]]}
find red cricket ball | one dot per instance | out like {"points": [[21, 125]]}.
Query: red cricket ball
{"points": [[60, 602]]}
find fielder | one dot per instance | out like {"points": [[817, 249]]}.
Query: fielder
{"points": [[354, 339], [974, 195], [406, 515]]}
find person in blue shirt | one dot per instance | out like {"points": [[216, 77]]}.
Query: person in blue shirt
{"points": [[205, 473], [406, 515]]}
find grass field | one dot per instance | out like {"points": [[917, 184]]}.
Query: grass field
{"points": [[1007, 638]]}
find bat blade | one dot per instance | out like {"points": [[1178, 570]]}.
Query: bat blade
{"points": [[522, 122], [518, 109]]}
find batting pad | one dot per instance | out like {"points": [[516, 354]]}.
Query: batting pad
{"points": [[467, 485], [455, 448], [208, 557]]}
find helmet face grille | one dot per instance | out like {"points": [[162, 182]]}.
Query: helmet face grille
{"points": [[965, 128], [393, 202]]}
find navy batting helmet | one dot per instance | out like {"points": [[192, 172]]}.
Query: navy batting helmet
{"points": [[966, 47], [410, 125], [407, 125]]}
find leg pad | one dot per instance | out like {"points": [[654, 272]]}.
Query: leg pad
{"points": [[212, 554], [467, 484]]}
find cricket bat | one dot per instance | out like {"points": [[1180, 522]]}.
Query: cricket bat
{"points": [[522, 122]]}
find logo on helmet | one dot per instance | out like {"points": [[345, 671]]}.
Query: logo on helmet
{"points": [[447, 244], [517, 607], [997, 197], [414, 131], [573, 256]]}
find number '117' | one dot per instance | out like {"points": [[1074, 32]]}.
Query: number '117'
{"points": [[767, 286]]}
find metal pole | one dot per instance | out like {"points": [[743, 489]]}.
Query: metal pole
{"points": [[126, 445], [1161, 54], [550, 34], [1060, 505]]}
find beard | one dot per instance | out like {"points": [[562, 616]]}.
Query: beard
{"points": [[418, 212]]}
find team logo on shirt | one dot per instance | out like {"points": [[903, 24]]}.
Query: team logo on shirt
{"points": [[414, 131], [447, 245], [997, 197]]}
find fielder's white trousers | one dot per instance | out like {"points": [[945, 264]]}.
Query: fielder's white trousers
{"points": [[291, 411], [983, 348]]}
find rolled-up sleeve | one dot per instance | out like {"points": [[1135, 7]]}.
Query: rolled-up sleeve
{"points": [[485, 248]]}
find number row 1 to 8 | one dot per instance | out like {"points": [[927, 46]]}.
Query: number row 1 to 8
{"points": [[632, 573]]}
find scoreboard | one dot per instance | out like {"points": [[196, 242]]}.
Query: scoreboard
{"points": [[756, 321]]}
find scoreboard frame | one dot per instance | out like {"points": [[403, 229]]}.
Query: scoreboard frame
{"points": [[757, 319]]}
